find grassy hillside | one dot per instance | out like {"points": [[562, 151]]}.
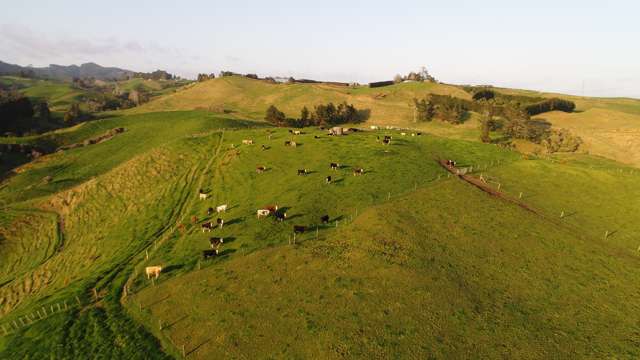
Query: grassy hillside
{"points": [[250, 98], [58, 94], [413, 264]]}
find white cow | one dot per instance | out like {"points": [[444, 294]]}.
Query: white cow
{"points": [[296, 132], [263, 213], [403, 134], [247, 142], [153, 270], [221, 208], [203, 196]]}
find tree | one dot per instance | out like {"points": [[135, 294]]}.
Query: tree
{"points": [[43, 111], [397, 78], [275, 116], [304, 115], [73, 113], [425, 110]]}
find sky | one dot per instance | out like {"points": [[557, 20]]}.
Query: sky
{"points": [[577, 47]]}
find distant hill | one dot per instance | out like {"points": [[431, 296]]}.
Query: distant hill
{"points": [[61, 72]]}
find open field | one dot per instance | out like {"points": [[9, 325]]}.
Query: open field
{"points": [[412, 263]]}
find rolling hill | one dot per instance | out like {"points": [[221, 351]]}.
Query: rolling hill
{"points": [[414, 263]]}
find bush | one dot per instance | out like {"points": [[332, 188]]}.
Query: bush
{"points": [[275, 116], [484, 95], [561, 140], [380, 84]]}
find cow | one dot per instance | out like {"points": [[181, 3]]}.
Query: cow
{"points": [[261, 169], [287, 143], [387, 137], [358, 171], [263, 213], [202, 195], [386, 141], [413, 134], [293, 144], [419, 133], [297, 132], [325, 219], [209, 211], [247, 142], [209, 253], [181, 228], [220, 222], [280, 216], [334, 166], [316, 137], [302, 172], [153, 270], [194, 219], [215, 242], [207, 226], [328, 179], [403, 134], [264, 147], [298, 229], [221, 208]]}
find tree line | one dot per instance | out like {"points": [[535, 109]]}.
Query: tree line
{"points": [[321, 115]]}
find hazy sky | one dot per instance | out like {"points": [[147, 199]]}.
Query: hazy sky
{"points": [[546, 45]]}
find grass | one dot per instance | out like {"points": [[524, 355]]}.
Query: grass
{"points": [[58, 94], [419, 264]]}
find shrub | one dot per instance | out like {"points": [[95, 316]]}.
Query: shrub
{"points": [[550, 105], [275, 116], [561, 140]]}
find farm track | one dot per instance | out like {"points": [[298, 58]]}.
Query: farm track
{"points": [[502, 196]]}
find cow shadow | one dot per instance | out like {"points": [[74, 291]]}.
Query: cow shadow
{"points": [[234, 221], [231, 207], [294, 216], [229, 239], [337, 181], [172, 268], [176, 321], [226, 252]]}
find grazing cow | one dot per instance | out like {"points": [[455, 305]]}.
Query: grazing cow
{"points": [[334, 166], [207, 226], [358, 171], [202, 195], [264, 147], [153, 271], [302, 172], [263, 213], [403, 134], [221, 208], [261, 169], [194, 219], [280, 216], [296, 132], [328, 179], [247, 142], [220, 222], [413, 134], [181, 228], [209, 211], [386, 141], [209, 253], [215, 242], [298, 229], [287, 143], [316, 137], [387, 137], [419, 133], [325, 219]]}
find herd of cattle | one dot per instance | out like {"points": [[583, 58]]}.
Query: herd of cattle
{"points": [[264, 212]]}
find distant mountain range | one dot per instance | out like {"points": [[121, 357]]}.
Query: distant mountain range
{"points": [[60, 72]]}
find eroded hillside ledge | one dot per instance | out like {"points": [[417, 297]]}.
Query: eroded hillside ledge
{"points": [[96, 140]]}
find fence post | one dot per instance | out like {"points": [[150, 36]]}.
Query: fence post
{"points": [[499, 186], [44, 311], [606, 234], [562, 214], [5, 330], [147, 254], [16, 324], [183, 352], [520, 196], [389, 196], [78, 300]]}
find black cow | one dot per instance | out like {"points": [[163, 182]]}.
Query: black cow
{"points": [[220, 222], [386, 141], [216, 242], [316, 137], [287, 143], [209, 211], [334, 166], [209, 253], [264, 147], [358, 171], [208, 226], [298, 229], [325, 219], [280, 216], [302, 172], [328, 179]]}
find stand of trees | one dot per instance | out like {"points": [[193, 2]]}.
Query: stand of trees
{"points": [[322, 115], [443, 107], [156, 75], [205, 77]]}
